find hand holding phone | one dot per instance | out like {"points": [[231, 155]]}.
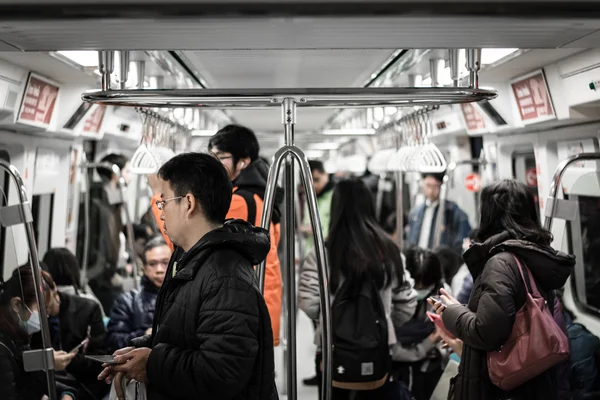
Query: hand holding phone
{"points": [[107, 359], [439, 322], [84, 342]]}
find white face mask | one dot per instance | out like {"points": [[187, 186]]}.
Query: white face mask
{"points": [[33, 323], [422, 293]]}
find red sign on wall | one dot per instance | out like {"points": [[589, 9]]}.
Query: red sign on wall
{"points": [[38, 101], [93, 123], [473, 119], [531, 177], [473, 183], [533, 98]]}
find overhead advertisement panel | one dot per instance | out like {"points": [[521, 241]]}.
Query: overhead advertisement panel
{"points": [[38, 102], [533, 98], [474, 121]]}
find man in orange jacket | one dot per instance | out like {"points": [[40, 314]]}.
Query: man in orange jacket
{"points": [[237, 148]]}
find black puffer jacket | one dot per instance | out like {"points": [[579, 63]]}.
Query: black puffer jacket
{"points": [[131, 315], [498, 293], [212, 336]]}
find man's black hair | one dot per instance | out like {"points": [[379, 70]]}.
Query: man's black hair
{"points": [[238, 140], [205, 178], [316, 165], [118, 159], [156, 241], [437, 177]]}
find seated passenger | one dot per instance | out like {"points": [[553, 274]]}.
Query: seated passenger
{"points": [[509, 226], [64, 268], [354, 238], [214, 337], [133, 313], [19, 318], [72, 319]]}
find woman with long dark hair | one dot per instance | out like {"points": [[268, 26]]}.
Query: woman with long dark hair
{"points": [[358, 250], [509, 228], [19, 319]]}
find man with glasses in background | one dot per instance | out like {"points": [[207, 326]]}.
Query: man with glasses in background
{"points": [[422, 218], [133, 313]]}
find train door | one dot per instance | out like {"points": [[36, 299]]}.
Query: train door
{"points": [[582, 293], [524, 170]]}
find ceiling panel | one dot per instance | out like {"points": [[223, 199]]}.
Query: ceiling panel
{"points": [[286, 68], [296, 33]]}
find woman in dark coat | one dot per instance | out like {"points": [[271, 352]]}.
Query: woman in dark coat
{"points": [[509, 226]]}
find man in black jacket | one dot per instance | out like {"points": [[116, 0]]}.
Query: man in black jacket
{"points": [[211, 337]]}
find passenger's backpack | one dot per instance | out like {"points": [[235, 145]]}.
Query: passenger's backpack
{"points": [[361, 355]]}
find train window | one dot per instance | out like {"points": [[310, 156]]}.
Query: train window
{"points": [[524, 170], [584, 239], [41, 210]]}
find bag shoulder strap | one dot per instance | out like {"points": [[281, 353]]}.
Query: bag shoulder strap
{"points": [[248, 197], [532, 285]]}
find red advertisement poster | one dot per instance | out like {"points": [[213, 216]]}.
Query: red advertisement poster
{"points": [[93, 123], [533, 98], [473, 119], [38, 101]]}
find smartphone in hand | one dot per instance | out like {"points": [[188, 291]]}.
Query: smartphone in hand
{"points": [[84, 342], [107, 359]]}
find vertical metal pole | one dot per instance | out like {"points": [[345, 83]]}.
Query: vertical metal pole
{"points": [[434, 72], [439, 221], [289, 119], [106, 65], [86, 227], [473, 65], [453, 55], [37, 278], [399, 208], [123, 68], [141, 74], [323, 270], [128, 226]]}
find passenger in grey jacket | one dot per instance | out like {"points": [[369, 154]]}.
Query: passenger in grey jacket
{"points": [[358, 249], [399, 300]]}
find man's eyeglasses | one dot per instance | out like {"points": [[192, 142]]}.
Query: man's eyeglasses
{"points": [[161, 203], [220, 157]]}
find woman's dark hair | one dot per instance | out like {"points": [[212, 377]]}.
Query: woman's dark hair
{"points": [[63, 267], [508, 206], [450, 261], [357, 246], [424, 266], [19, 285]]}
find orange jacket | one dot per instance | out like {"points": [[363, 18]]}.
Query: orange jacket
{"points": [[272, 294], [161, 225]]}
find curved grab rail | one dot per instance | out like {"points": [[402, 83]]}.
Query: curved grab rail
{"points": [[557, 179], [45, 360]]}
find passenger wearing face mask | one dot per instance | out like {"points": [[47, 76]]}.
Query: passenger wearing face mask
{"points": [[19, 319], [419, 362], [73, 319]]}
